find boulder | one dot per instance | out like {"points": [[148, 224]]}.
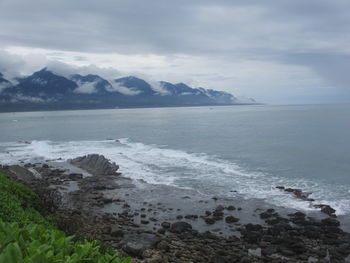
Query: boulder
{"points": [[231, 219], [95, 164], [166, 225], [179, 227], [135, 244]]}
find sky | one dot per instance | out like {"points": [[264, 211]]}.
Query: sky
{"points": [[276, 51]]}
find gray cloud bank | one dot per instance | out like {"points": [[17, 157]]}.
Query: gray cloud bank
{"points": [[311, 35]]}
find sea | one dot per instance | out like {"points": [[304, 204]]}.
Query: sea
{"points": [[245, 151]]}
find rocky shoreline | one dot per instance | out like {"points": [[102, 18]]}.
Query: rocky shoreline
{"points": [[160, 224]]}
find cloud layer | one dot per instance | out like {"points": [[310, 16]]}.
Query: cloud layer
{"points": [[275, 50]]}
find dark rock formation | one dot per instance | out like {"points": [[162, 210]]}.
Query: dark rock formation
{"points": [[95, 164], [179, 227]]}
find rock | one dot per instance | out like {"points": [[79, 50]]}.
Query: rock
{"points": [[298, 193], [163, 245], [252, 227], [116, 232], [280, 187], [298, 214], [107, 200], [166, 225], [75, 176], [22, 175], [153, 256], [209, 221], [95, 164], [219, 208], [218, 215], [145, 222], [251, 236], [135, 244], [326, 209], [191, 217], [231, 219], [255, 252], [179, 227], [265, 215], [231, 208], [161, 231], [207, 213], [330, 222]]}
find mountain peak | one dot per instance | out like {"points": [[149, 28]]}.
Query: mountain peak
{"points": [[45, 89]]}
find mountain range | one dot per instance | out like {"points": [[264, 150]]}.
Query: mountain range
{"points": [[46, 90]]}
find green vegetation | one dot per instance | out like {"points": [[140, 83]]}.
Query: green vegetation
{"points": [[18, 203], [27, 236]]}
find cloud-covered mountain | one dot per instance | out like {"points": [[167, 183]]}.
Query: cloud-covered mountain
{"points": [[4, 83], [45, 90]]}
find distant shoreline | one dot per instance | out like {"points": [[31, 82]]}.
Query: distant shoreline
{"points": [[5, 109]]}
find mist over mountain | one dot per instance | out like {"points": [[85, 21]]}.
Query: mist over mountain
{"points": [[46, 90]]}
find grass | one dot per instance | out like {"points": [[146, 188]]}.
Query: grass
{"points": [[29, 237]]}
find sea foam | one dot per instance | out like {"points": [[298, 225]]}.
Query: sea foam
{"points": [[207, 174]]}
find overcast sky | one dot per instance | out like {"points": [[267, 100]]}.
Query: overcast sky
{"points": [[276, 51]]}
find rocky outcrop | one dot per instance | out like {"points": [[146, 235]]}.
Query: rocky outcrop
{"points": [[304, 196], [95, 164], [278, 238]]}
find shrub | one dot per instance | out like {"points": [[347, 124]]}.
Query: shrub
{"points": [[18, 203], [27, 236], [36, 243]]}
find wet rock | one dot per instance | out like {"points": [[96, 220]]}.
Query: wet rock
{"points": [[207, 213], [191, 217], [166, 225], [326, 209], [95, 164], [219, 208], [218, 215], [231, 208], [209, 221], [265, 215], [298, 193], [179, 227], [252, 227], [298, 214], [75, 176], [161, 231], [231, 219]]}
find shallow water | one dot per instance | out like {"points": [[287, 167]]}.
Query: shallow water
{"points": [[214, 150]]}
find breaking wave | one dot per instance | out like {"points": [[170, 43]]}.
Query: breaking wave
{"points": [[160, 165]]}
